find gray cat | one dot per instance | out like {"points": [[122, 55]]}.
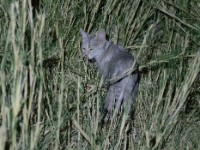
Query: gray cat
{"points": [[114, 64]]}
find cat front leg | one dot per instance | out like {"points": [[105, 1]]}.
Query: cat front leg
{"points": [[109, 104]]}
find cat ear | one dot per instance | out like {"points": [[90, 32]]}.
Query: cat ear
{"points": [[101, 35], [83, 34]]}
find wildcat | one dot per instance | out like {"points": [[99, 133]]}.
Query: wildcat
{"points": [[114, 64]]}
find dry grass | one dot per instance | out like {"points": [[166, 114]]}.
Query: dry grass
{"points": [[51, 99]]}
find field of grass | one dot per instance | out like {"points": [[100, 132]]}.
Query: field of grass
{"points": [[50, 98]]}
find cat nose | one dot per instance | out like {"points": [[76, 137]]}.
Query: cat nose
{"points": [[84, 53]]}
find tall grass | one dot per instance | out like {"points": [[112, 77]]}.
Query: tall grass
{"points": [[51, 99]]}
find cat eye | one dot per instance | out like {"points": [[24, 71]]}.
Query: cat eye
{"points": [[89, 47]]}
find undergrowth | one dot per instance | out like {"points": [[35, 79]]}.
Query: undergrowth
{"points": [[50, 98]]}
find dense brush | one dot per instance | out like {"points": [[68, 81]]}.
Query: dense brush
{"points": [[50, 98]]}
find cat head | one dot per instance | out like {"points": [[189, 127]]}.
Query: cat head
{"points": [[92, 42]]}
